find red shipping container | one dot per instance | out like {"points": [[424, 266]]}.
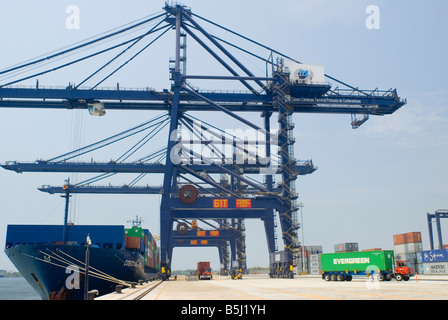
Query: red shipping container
{"points": [[410, 237], [132, 242]]}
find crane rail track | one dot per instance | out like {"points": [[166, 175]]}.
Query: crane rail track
{"points": [[132, 293], [148, 290]]}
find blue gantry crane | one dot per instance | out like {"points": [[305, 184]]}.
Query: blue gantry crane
{"points": [[441, 213], [207, 173]]}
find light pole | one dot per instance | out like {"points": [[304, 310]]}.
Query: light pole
{"points": [[86, 280], [300, 205]]}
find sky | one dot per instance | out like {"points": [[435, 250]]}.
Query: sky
{"points": [[373, 182]]}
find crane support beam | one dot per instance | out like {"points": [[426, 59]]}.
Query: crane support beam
{"points": [[191, 234], [344, 102], [220, 214], [125, 189], [301, 167]]}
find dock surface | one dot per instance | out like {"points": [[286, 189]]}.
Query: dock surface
{"points": [[261, 287]]}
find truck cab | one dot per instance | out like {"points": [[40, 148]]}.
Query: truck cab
{"points": [[403, 271]]}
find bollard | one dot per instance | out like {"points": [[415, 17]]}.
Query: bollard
{"points": [[91, 294], [118, 288]]}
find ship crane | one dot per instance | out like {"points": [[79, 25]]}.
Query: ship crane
{"points": [[191, 188]]}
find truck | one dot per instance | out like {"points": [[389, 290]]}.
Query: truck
{"points": [[204, 271], [342, 266]]}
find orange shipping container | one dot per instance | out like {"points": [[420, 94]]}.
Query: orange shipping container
{"points": [[132, 242], [410, 237]]}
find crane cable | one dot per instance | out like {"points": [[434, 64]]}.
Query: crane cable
{"points": [[79, 264], [93, 274]]}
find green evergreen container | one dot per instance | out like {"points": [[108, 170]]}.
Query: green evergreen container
{"points": [[358, 262], [134, 232]]}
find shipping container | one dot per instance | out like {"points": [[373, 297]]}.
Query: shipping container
{"points": [[342, 266], [307, 251], [410, 247], [435, 268], [315, 257], [411, 257], [132, 242], [407, 237], [315, 271], [135, 232], [204, 271], [358, 261], [346, 247], [434, 256]]}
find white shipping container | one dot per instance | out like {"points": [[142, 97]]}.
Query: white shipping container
{"points": [[413, 247], [407, 256], [315, 257], [435, 268], [316, 271]]}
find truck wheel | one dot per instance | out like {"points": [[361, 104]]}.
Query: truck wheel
{"points": [[334, 277], [398, 277], [381, 277], [327, 277], [405, 278], [340, 277], [348, 278]]}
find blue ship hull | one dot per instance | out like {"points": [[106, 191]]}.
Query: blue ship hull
{"points": [[56, 268], [52, 270]]}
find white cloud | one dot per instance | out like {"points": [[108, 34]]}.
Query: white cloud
{"points": [[421, 122]]}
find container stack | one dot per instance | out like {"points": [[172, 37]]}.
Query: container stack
{"points": [[308, 261], [434, 261], [346, 247], [142, 241], [408, 246], [315, 265], [134, 238]]}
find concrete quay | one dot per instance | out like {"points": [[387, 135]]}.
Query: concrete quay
{"points": [[309, 287]]}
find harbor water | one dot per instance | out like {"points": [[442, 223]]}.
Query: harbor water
{"points": [[16, 289]]}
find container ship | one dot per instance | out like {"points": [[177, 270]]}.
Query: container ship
{"points": [[53, 258]]}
